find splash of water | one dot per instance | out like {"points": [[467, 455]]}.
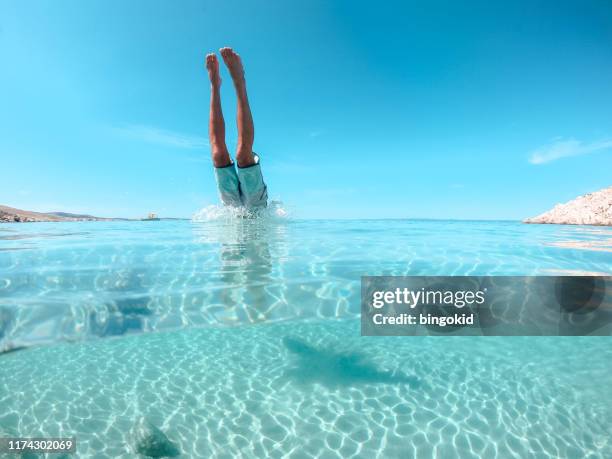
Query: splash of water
{"points": [[275, 211]]}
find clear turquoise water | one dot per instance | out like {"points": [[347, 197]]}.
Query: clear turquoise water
{"points": [[257, 351]]}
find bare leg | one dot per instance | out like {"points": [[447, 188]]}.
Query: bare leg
{"points": [[216, 125], [244, 119]]}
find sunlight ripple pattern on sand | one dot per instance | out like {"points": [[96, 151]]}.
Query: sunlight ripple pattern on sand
{"points": [[241, 392]]}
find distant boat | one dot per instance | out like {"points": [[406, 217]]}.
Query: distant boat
{"points": [[151, 217]]}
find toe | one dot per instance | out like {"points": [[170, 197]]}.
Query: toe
{"points": [[228, 53]]}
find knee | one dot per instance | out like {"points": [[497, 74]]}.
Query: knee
{"points": [[221, 158], [245, 158]]}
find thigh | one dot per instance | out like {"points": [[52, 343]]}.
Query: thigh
{"points": [[228, 185]]}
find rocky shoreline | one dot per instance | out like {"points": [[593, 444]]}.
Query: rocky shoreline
{"points": [[12, 215], [589, 209]]}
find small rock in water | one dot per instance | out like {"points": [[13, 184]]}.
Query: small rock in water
{"points": [[152, 442]]}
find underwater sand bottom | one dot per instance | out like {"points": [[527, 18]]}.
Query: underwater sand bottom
{"points": [[305, 390]]}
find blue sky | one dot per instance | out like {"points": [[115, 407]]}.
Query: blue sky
{"points": [[493, 110]]}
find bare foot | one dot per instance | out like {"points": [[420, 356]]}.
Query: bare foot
{"points": [[234, 65], [212, 65]]}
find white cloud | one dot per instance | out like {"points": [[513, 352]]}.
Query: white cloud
{"points": [[566, 148], [164, 137]]}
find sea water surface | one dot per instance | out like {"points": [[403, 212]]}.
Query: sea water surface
{"points": [[240, 338]]}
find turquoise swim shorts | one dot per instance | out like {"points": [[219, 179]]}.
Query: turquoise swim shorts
{"points": [[242, 186]]}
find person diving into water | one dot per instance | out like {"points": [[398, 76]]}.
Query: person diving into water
{"points": [[242, 186]]}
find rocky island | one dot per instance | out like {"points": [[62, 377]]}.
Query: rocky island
{"points": [[590, 209]]}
